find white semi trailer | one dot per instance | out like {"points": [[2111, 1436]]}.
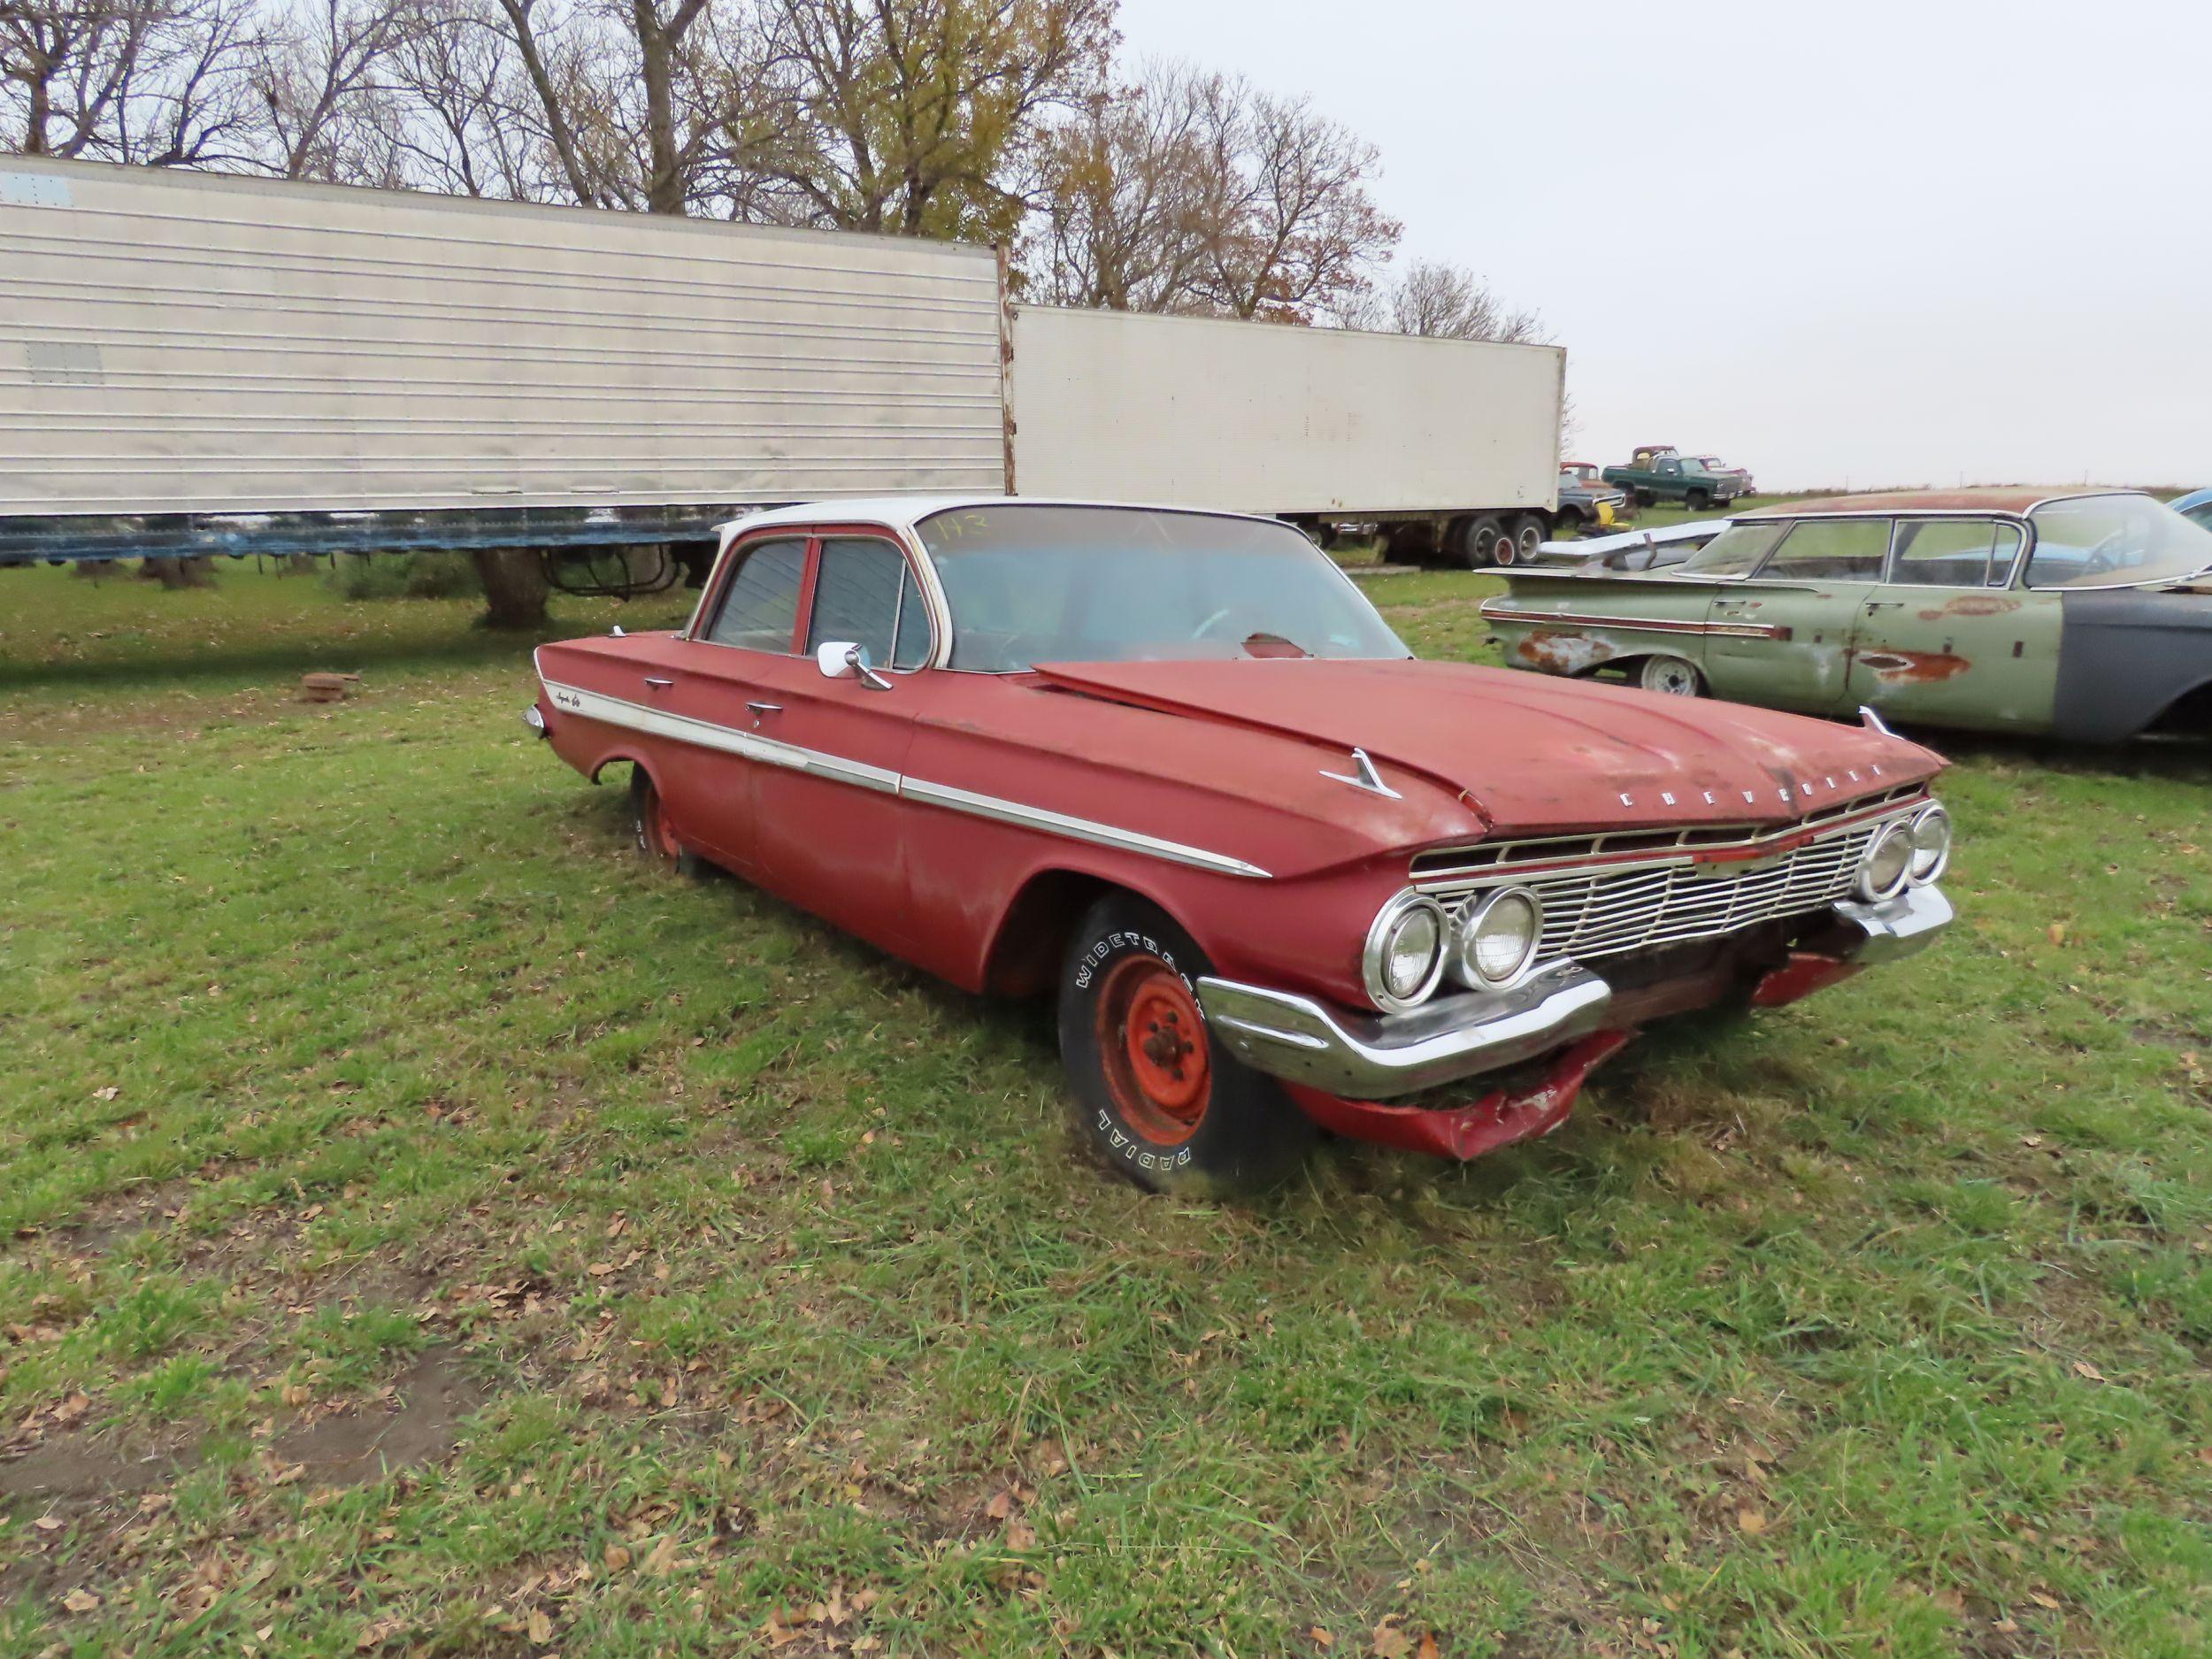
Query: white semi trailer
{"points": [[196, 363]]}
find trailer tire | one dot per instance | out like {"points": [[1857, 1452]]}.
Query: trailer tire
{"points": [[1476, 540], [1529, 533]]}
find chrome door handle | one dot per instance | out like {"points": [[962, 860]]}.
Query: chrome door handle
{"points": [[760, 708], [657, 683]]}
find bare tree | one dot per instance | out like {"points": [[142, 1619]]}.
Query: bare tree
{"points": [[143, 80], [1117, 191], [1452, 302], [625, 94], [319, 77], [1194, 192], [913, 115], [464, 121]]}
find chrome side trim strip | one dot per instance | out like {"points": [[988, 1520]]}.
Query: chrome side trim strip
{"points": [[1080, 829], [594, 705], [1503, 610]]}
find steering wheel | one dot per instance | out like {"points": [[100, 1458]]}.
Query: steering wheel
{"points": [[2103, 558]]}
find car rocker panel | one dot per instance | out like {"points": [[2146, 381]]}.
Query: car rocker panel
{"points": [[1424, 898]]}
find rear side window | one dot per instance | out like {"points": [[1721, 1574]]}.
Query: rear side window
{"points": [[760, 607], [1954, 554], [1734, 551], [1832, 550], [864, 591]]}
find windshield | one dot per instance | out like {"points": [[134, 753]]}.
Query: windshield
{"points": [[2114, 541], [1039, 583]]}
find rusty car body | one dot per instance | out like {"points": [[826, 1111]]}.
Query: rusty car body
{"points": [[2086, 615], [1173, 768]]}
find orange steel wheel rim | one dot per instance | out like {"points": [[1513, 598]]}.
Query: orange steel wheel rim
{"points": [[660, 836], [1152, 1047]]}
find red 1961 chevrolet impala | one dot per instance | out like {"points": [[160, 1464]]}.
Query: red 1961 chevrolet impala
{"points": [[1175, 767]]}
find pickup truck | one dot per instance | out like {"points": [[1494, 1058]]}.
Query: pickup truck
{"points": [[1675, 478]]}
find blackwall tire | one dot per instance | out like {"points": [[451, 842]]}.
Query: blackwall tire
{"points": [[651, 833], [1697, 501], [1155, 1099], [1528, 534], [1476, 546]]}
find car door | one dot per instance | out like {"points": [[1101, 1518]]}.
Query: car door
{"points": [[828, 818], [706, 684], [1781, 638], [1945, 637]]}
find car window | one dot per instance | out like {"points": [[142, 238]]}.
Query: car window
{"points": [[1831, 550], [1670, 467], [1953, 553], [1735, 551], [864, 591], [760, 605]]}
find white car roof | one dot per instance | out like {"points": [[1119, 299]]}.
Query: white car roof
{"points": [[904, 512]]}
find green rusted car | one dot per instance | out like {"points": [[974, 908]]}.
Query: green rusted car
{"points": [[2087, 616]]}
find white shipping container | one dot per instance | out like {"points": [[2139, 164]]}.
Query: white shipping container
{"points": [[176, 342], [1260, 417]]}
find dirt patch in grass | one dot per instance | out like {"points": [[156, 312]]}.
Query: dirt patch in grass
{"points": [[430, 1399]]}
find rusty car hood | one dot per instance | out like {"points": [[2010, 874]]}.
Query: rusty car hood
{"points": [[1528, 753]]}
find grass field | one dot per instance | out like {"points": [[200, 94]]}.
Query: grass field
{"points": [[428, 1232]]}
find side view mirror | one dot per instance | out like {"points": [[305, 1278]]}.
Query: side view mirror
{"points": [[841, 659]]}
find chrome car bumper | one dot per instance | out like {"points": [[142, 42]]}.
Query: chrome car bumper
{"points": [[1897, 927], [1380, 1057]]}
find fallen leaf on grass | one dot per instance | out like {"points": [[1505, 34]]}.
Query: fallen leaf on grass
{"points": [[2083, 1367], [2041, 1599], [49, 1522], [2057, 931], [80, 1601], [109, 1093], [539, 1627], [1750, 1523], [617, 1558], [1427, 1648], [1321, 1638], [1390, 1642]]}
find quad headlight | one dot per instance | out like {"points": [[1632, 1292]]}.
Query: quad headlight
{"points": [[1931, 844], [1404, 957], [1498, 937], [1885, 864]]}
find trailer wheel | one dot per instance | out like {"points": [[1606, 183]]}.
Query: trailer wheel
{"points": [[1478, 542], [1520, 547]]}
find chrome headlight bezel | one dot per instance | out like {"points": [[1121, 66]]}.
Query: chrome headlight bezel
{"points": [[1375, 955], [1863, 883], [1469, 930], [1921, 868]]}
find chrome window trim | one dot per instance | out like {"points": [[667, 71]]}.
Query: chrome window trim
{"points": [[593, 705]]}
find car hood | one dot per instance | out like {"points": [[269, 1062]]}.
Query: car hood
{"points": [[1529, 752]]}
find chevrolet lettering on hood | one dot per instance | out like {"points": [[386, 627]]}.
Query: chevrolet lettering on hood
{"points": [[1171, 769]]}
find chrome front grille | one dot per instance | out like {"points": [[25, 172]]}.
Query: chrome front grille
{"points": [[1664, 898]]}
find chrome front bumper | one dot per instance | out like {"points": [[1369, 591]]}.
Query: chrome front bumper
{"points": [[1380, 1057]]}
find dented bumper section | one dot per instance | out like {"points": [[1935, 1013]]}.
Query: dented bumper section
{"points": [[1370, 1057], [1355, 1056]]}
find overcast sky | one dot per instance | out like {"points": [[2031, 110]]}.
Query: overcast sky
{"points": [[1871, 244]]}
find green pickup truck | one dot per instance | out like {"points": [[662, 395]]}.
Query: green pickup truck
{"points": [[1666, 476]]}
